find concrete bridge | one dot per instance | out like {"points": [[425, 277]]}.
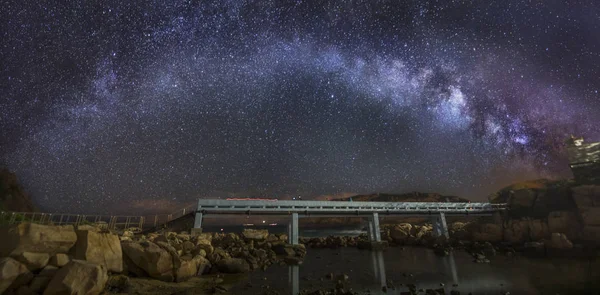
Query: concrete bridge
{"points": [[437, 211]]}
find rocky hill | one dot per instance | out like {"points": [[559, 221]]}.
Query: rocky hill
{"points": [[541, 207], [12, 195]]}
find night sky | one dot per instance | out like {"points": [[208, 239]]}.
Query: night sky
{"points": [[126, 105]]}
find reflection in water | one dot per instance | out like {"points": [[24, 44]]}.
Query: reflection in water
{"points": [[294, 279], [378, 267], [456, 272], [450, 264], [378, 264]]}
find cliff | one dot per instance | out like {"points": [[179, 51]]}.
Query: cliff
{"points": [[12, 195]]}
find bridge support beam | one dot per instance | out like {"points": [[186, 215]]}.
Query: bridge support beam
{"points": [[440, 227], [197, 229], [374, 234], [374, 231], [293, 230]]}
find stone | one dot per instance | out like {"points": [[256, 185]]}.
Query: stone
{"points": [[41, 281], [184, 236], [190, 268], [174, 254], [118, 284], [516, 231], [99, 248], [33, 261], [488, 232], [59, 260], [292, 260], [400, 232], [591, 233], [538, 229], [217, 255], [188, 247], [564, 222], [204, 236], [204, 245], [203, 264], [36, 238], [13, 274], [255, 234], [523, 198], [591, 216], [151, 258], [88, 227], [78, 277], [233, 265], [559, 241]]}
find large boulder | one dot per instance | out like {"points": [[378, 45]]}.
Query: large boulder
{"points": [[400, 232], [13, 274], [59, 260], [516, 231], [255, 234], [36, 238], [205, 245], [217, 255], [41, 280], [33, 261], [538, 229], [99, 248], [233, 265], [459, 231], [523, 198], [564, 222], [78, 277], [559, 241], [488, 232], [422, 232], [154, 260], [192, 267]]}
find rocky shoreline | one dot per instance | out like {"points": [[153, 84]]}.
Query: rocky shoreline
{"points": [[42, 259]]}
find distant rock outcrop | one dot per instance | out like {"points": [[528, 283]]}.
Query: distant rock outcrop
{"points": [[12, 195]]}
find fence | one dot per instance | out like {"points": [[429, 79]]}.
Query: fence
{"points": [[134, 223]]}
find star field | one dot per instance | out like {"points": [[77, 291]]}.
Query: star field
{"points": [[127, 105]]}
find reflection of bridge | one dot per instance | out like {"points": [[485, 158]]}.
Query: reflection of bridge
{"points": [[445, 269], [371, 210]]}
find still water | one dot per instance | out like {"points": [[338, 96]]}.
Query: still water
{"points": [[368, 271]]}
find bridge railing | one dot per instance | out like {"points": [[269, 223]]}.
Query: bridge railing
{"points": [[237, 205], [112, 222], [102, 221]]}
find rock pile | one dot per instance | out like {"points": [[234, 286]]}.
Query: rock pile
{"points": [[48, 259], [42, 259]]}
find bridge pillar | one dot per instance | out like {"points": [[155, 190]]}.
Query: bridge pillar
{"points": [[440, 228], [373, 231], [197, 224], [374, 226], [293, 230]]}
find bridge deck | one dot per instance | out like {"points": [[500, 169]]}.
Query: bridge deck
{"points": [[371, 210], [345, 208]]}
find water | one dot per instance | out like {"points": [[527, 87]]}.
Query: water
{"points": [[369, 271]]}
